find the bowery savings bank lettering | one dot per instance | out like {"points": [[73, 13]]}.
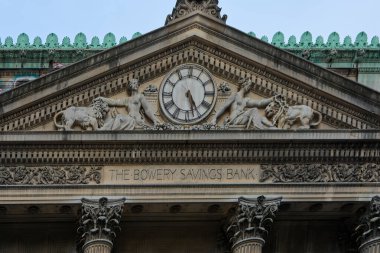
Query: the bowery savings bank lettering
{"points": [[181, 175]]}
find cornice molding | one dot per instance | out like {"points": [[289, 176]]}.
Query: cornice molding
{"points": [[177, 147]]}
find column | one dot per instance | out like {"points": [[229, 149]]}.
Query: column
{"points": [[98, 225], [251, 223], [368, 231]]}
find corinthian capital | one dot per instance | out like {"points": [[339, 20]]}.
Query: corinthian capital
{"points": [[369, 227], [253, 219], [100, 220]]}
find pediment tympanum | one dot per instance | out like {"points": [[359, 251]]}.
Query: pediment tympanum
{"points": [[196, 73]]}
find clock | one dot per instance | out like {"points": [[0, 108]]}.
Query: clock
{"points": [[187, 94]]}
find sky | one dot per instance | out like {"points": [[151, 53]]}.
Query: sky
{"points": [[125, 17]]}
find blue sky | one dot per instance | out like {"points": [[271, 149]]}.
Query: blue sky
{"points": [[125, 17]]}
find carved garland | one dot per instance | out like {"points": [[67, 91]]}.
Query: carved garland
{"points": [[228, 66], [48, 175], [323, 173]]}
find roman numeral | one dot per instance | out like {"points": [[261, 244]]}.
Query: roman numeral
{"points": [[169, 82], [190, 72], [209, 93], [206, 83], [205, 104], [187, 116], [179, 74], [169, 104], [168, 94], [176, 113], [200, 74]]}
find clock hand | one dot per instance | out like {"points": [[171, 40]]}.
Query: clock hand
{"points": [[192, 102], [189, 97]]}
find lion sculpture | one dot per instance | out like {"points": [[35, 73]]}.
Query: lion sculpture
{"points": [[86, 117], [286, 117]]}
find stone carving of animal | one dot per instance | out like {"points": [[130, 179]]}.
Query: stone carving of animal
{"points": [[86, 117], [286, 117]]}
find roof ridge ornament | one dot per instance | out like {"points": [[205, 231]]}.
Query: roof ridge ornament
{"points": [[185, 7]]}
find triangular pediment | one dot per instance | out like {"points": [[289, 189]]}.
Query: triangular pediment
{"points": [[226, 54]]}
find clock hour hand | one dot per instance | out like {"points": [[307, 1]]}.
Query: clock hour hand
{"points": [[191, 100]]}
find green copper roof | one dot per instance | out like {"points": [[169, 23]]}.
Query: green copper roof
{"points": [[334, 41], [52, 42], [306, 41]]}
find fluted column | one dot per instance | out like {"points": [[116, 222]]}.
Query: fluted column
{"points": [[369, 229], [98, 225], [250, 224]]}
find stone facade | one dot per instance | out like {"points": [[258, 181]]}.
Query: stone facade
{"points": [[196, 137]]}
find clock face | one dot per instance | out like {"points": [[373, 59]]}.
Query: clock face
{"points": [[188, 94]]}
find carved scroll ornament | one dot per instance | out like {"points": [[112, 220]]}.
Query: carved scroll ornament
{"points": [[303, 173], [185, 7], [48, 175]]}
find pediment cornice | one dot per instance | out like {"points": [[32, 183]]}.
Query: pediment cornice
{"points": [[196, 147], [226, 52]]}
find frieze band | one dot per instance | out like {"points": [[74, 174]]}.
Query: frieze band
{"points": [[277, 173], [323, 173], [48, 175]]}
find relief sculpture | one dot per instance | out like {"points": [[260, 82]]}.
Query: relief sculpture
{"points": [[244, 112], [137, 106], [99, 116], [86, 117], [286, 117]]}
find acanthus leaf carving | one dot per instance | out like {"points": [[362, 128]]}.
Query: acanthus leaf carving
{"points": [[369, 226], [323, 173], [100, 220], [253, 219], [48, 175]]}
